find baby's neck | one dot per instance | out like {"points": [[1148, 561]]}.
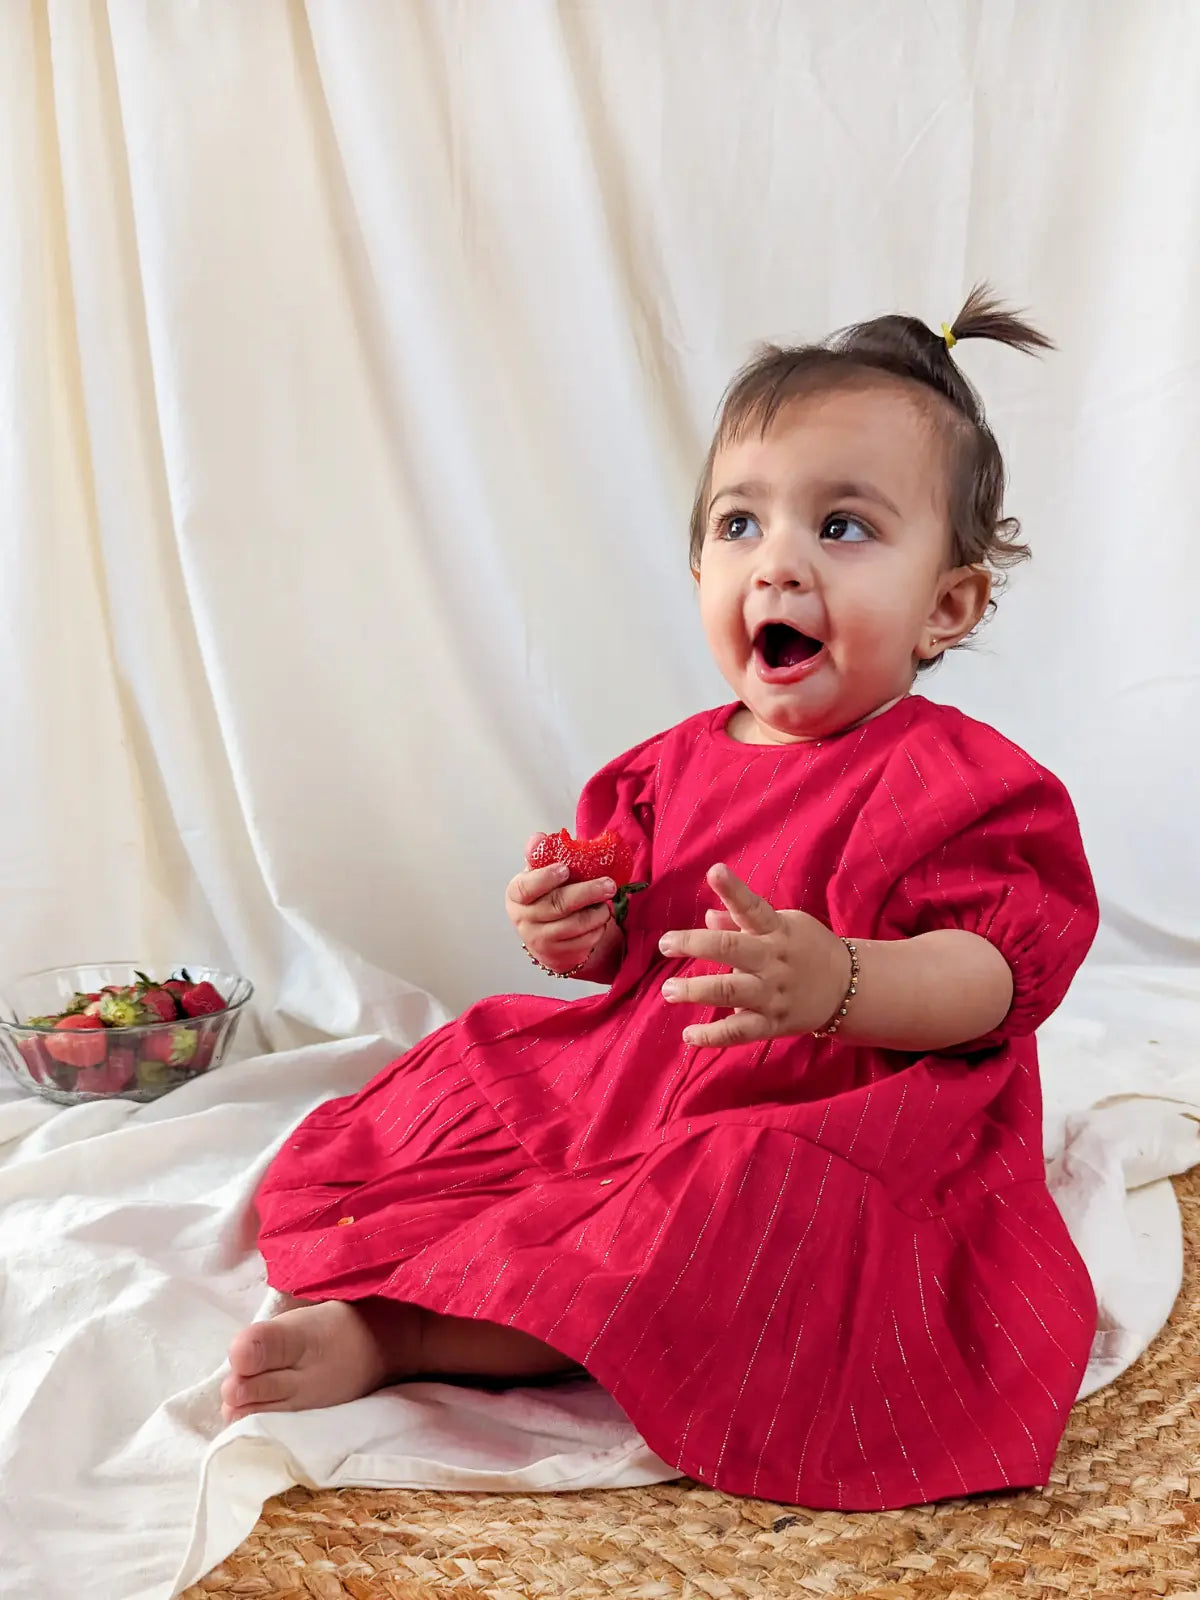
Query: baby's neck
{"points": [[746, 728]]}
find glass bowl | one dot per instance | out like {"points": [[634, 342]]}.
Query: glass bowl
{"points": [[138, 1063]]}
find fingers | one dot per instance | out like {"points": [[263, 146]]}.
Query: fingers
{"points": [[536, 883], [722, 989], [717, 917], [547, 890], [582, 924], [749, 911], [743, 1028], [570, 898], [728, 948], [584, 935]]}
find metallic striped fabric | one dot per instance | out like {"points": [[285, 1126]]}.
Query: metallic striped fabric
{"points": [[810, 1272]]}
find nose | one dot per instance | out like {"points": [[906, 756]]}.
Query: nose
{"points": [[784, 562]]}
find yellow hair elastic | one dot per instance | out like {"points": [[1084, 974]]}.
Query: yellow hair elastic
{"points": [[948, 336]]}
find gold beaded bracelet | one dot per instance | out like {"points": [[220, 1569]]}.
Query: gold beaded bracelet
{"points": [[835, 1022], [569, 973]]}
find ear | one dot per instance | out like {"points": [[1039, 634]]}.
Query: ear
{"points": [[959, 604]]}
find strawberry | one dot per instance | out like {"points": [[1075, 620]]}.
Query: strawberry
{"points": [[121, 1008], [37, 1062], [176, 1047], [201, 1000], [78, 1042], [157, 1075], [123, 1058], [605, 856], [79, 1003], [161, 1001], [111, 1076]]}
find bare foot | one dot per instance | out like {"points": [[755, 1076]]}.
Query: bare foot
{"points": [[321, 1354]]}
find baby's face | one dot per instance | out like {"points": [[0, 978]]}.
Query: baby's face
{"points": [[824, 575]]}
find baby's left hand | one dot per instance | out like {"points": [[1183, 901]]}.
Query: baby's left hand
{"points": [[789, 972]]}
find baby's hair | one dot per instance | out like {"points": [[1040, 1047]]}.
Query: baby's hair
{"points": [[906, 348]]}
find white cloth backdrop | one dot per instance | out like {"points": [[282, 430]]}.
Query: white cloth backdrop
{"points": [[355, 365]]}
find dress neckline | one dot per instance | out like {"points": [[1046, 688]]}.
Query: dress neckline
{"points": [[907, 706]]}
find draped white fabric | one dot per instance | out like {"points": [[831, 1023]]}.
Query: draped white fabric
{"points": [[355, 364]]}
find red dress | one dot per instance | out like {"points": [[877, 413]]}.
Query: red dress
{"points": [[809, 1271]]}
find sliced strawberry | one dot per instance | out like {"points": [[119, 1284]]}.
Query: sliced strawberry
{"points": [[78, 1042], [201, 1000]]}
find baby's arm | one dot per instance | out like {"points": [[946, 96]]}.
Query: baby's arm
{"points": [[927, 993]]}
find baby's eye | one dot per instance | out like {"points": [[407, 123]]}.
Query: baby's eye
{"points": [[845, 530], [740, 526]]}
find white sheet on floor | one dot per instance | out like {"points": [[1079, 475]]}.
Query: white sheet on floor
{"points": [[127, 1261]]}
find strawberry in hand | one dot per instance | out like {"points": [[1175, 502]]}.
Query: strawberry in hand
{"points": [[608, 855]]}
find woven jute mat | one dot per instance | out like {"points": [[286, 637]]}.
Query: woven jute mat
{"points": [[1121, 1516]]}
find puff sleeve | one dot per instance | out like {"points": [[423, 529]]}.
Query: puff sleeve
{"points": [[1011, 867], [621, 797]]}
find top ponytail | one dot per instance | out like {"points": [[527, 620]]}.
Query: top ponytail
{"points": [[983, 316], [906, 347]]}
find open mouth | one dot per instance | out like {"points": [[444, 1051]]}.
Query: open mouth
{"points": [[782, 651]]}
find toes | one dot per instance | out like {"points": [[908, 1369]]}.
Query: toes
{"points": [[264, 1347], [231, 1414], [252, 1394]]}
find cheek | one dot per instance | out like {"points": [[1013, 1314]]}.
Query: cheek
{"points": [[720, 604], [886, 613]]}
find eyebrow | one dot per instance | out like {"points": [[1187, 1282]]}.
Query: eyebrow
{"points": [[843, 489], [740, 491], [849, 490]]}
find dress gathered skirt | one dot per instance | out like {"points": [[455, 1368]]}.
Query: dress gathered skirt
{"points": [[809, 1271]]}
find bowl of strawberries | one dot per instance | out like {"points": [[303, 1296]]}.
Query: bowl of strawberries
{"points": [[72, 1034]]}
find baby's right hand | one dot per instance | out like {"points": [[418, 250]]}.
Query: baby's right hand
{"points": [[559, 923]]}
